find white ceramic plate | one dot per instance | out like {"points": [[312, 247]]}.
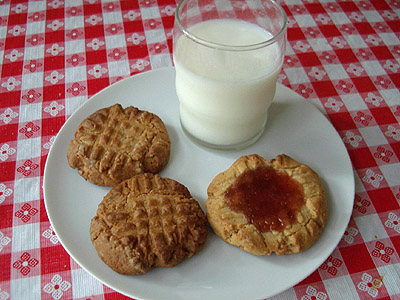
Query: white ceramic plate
{"points": [[219, 271]]}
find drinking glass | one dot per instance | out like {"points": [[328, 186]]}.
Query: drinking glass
{"points": [[227, 56]]}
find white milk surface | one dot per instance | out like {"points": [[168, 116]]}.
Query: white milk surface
{"points": [[225, 95]]}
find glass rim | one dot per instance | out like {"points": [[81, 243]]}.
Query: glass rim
{"points": [[218, 46]]}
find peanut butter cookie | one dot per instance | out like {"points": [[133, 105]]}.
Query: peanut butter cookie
{"points": [[114, 144], [147, 221]]}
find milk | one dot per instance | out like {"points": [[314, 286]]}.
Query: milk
{"points": [[225, 95]]}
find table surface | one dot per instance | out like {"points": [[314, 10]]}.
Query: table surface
{"points": [[342, 56]]}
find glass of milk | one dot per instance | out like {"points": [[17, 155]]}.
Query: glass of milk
{"points": [[227, 56]]}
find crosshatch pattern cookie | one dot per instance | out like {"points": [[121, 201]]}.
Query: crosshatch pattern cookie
{"points": [[265, 207], [147, 221], [114, 144]]}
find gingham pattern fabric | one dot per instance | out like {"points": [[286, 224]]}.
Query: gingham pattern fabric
{"points": [[342, 56]]}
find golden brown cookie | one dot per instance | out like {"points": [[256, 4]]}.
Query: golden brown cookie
{"points": [[114, 144], [147, 221], [265, 207]]}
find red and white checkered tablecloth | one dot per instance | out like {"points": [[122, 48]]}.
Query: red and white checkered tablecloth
{"points": [[342, 56]]}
